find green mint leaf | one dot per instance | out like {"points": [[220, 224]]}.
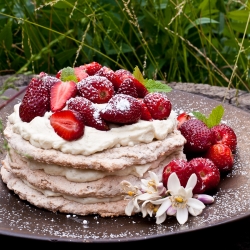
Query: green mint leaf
{"points": [[68, 74], [151, 85], [156, 86], [200, 116], [214, 117]]}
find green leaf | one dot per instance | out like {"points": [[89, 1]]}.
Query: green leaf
{"points": [[239, 15], [156, 86], [138, 75], [200, 116], [150, 84], [214, 117]]}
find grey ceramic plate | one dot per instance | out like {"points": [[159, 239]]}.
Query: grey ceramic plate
{"points": [[19, 218]]}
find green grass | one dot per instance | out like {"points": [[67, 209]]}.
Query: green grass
{"points": [[177, 41]]}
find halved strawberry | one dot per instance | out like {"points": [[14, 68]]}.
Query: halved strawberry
{"points": [[224, 134], [90, 115], [97, 89], [181, 118], [36, 100], [158, 105], [122, 109], [80, 73], [66, 124], [208, 175], [181, 168], [128, 88], [221, 155], [60, 93]]}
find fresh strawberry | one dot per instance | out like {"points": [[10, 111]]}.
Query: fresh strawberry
{"points": [[128, 88], [60, 93], [90, 115], [91, 68], [208, 175], [97, 89], [122, 109], [80, 73], [66, 124], [106, 72], [199, 137], [119, 76], [181, 118], [225, 135], [145, 114], [36, 100], [48, 81], [221, 155], [158, 105], [181, 168]]}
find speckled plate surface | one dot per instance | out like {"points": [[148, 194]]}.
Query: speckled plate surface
{"points": [[19, 218]]}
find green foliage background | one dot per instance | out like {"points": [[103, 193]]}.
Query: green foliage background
{"points": [[203, 41]]}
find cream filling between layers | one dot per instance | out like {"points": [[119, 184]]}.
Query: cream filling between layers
{"points": [[41, 135]]}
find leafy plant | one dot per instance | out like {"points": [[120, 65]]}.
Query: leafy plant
{"points": [[203, 41]]}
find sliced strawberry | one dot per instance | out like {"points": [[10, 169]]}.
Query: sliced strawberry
{"points": [[107, 72], [60, 93], [181, 118], [80, 73], [225, 135], [122, 109], [158, 105], [91, 68], [127, 88], [36, 100], [181, 168], [97, 89], [90, 115], [66, 125], [199, 137], [145, 114], [208, 175], [221, 155]]}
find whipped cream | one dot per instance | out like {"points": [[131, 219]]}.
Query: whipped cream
{"points": [[40, 134]]}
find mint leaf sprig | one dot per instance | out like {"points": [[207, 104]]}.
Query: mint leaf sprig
{"points": [[150, 84], [214, 117]]}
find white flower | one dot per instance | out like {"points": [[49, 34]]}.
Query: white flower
{"points": [[182, 198], [153, 185]]}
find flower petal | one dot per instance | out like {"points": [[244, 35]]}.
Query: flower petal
{"points": [[194, 211], [191, 181], [194, 203], [164, 206], [173, 183], [182, 215], [129, 208], [161, 218]]}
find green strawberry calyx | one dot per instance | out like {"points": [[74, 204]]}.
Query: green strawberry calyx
{"points": [[150, 84], [68, 74], [214, 117]]}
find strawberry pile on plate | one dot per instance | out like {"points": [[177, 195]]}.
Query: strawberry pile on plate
{"points": [[210, 147], [76, 94]]}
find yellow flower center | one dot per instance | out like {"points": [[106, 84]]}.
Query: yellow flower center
{"points": [[131, 193], [178, 201]]}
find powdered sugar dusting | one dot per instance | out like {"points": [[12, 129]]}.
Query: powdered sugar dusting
{"points": [[232, 199]]}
